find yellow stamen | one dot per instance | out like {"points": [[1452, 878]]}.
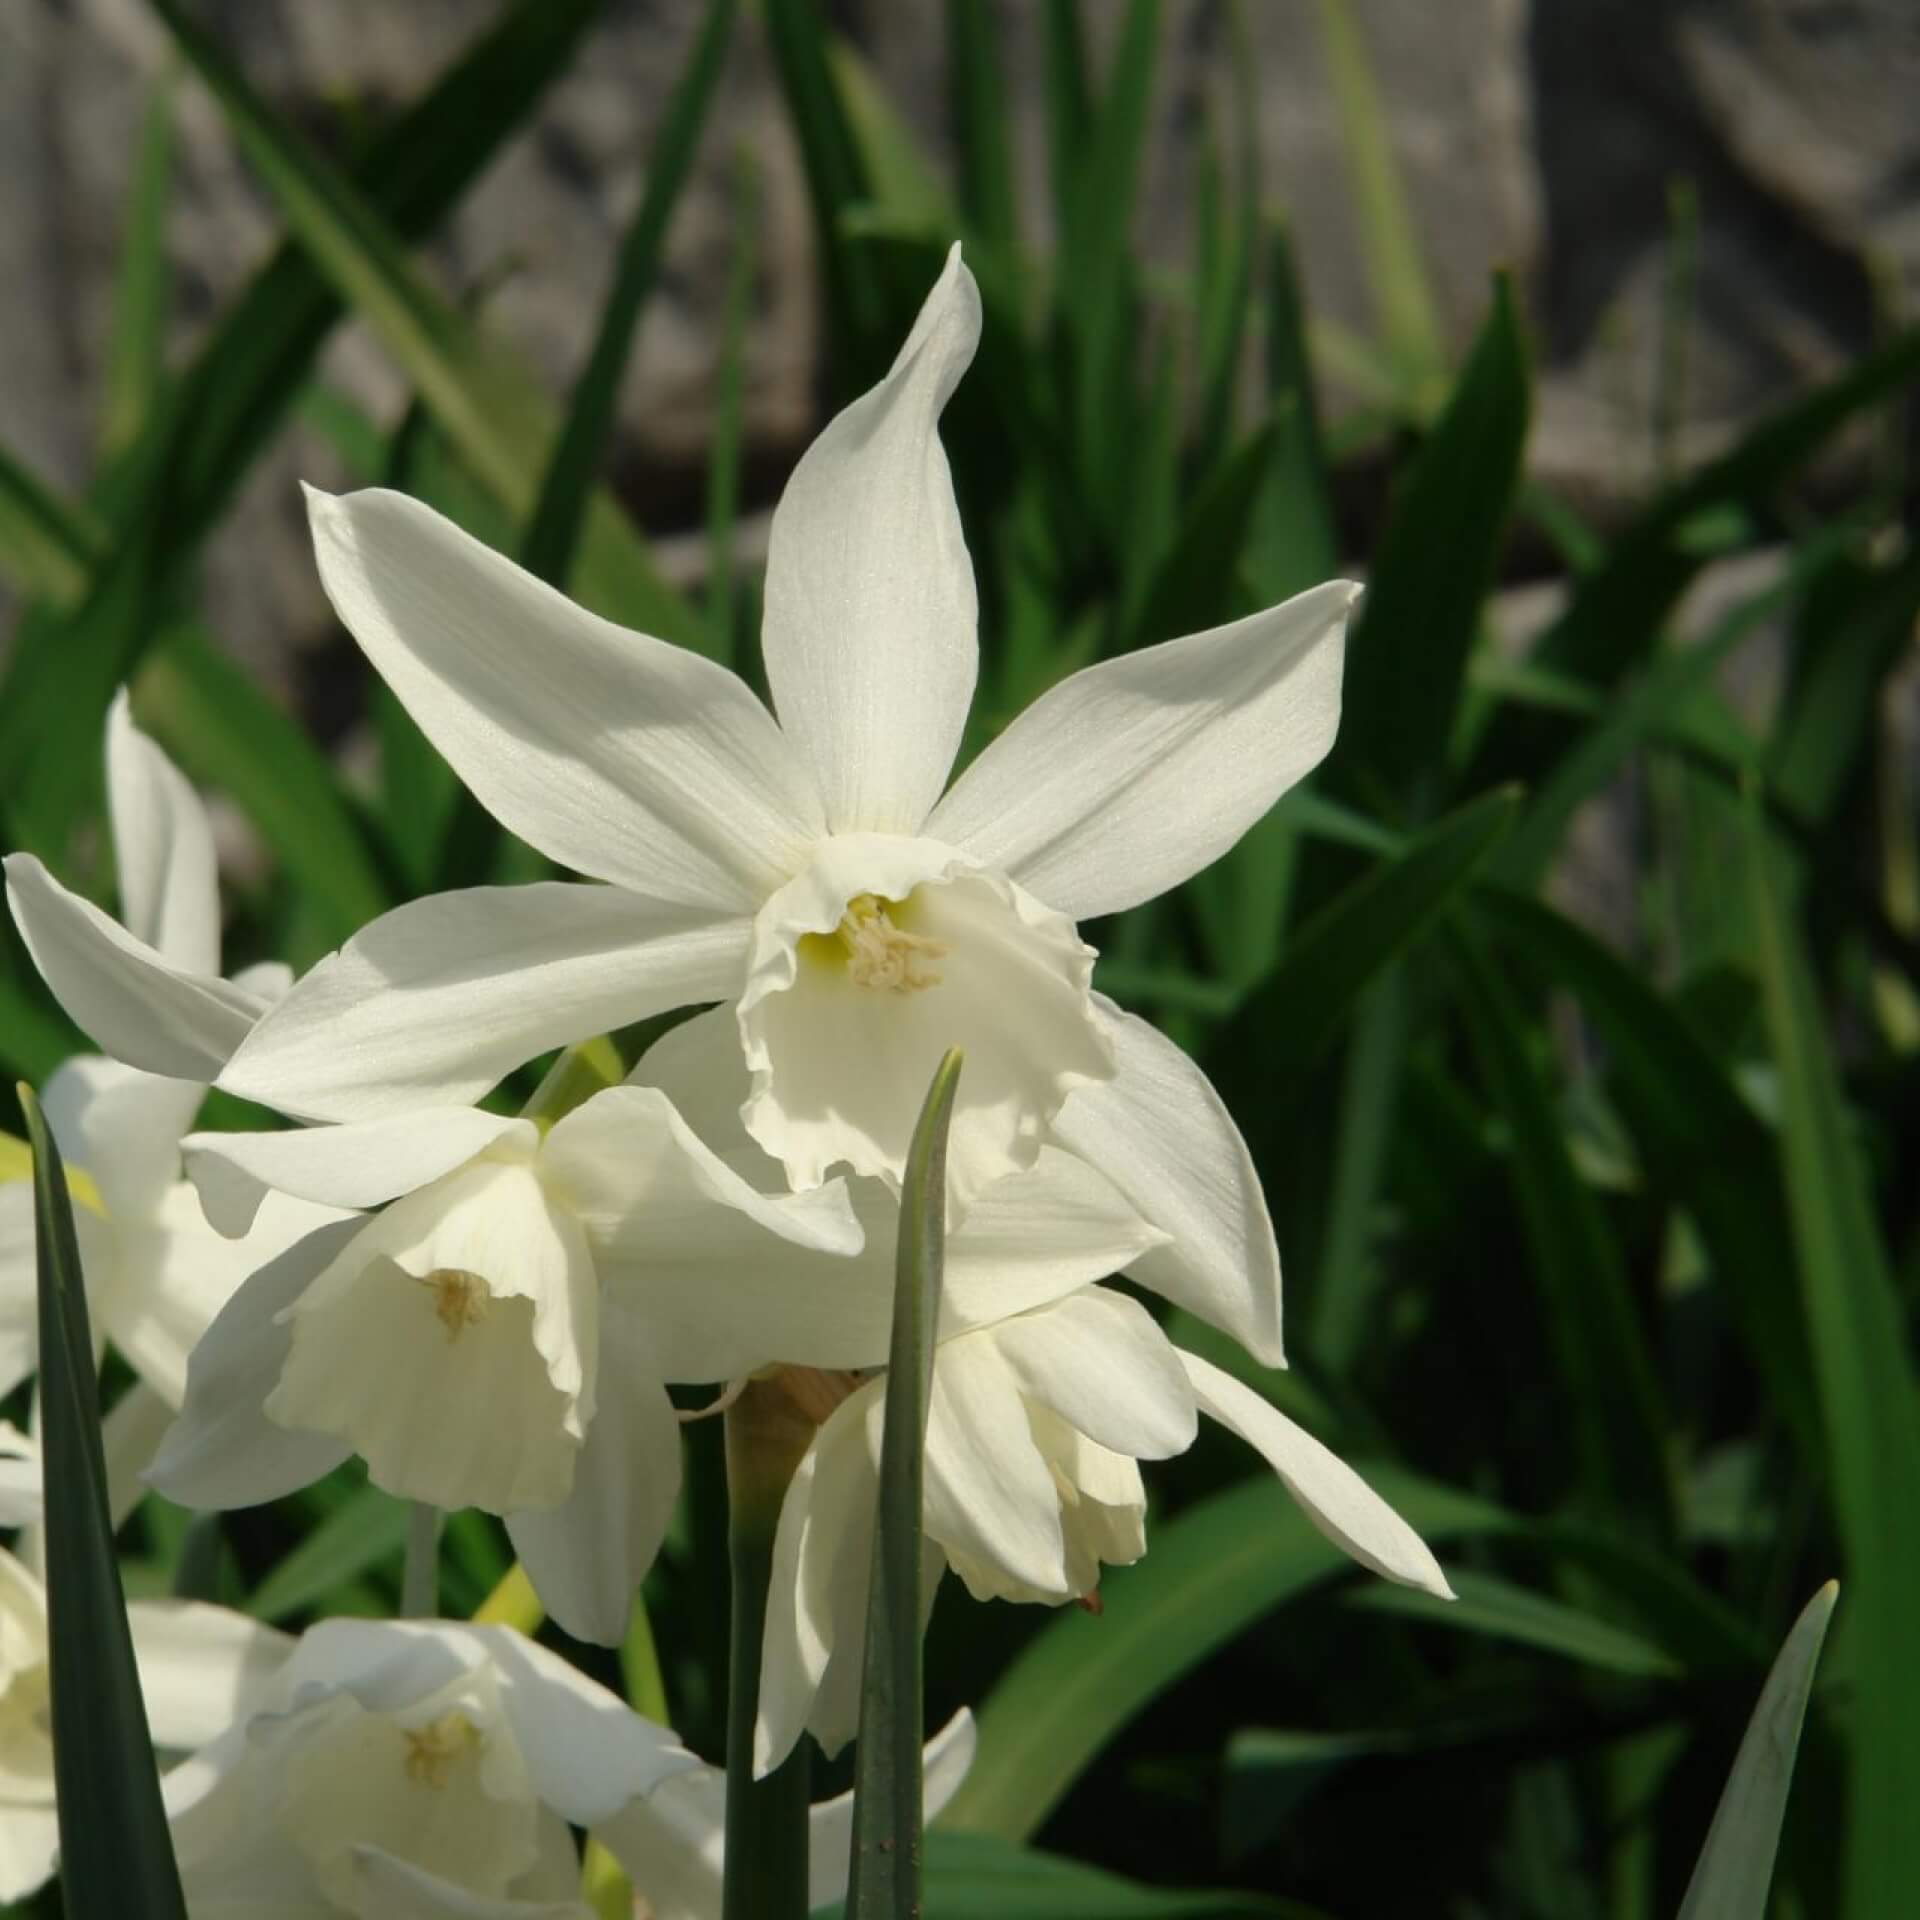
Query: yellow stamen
{"points": [[433, 1749], [880, 954], [460, 1299]]}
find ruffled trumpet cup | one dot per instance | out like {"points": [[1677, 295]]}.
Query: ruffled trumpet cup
{"points": [[807, 871]]}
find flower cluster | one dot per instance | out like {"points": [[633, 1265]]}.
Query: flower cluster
{"points": [[489, 1309]]}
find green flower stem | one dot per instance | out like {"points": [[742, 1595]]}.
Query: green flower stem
{"points": [[768, 1430], [576, 1076], [420, 1579]]}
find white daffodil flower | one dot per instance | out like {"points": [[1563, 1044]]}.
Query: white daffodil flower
{"points": [[806, 871], [149, 993], [410, 1767], [1035, 1426], [499, 1335], [199, 1667]]}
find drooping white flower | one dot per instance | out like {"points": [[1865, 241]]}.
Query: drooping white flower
{"points": [[199, 1667], [150, 993], [807, 872], [500, 1335]]}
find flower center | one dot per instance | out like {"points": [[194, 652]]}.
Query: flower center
{"points": [[459, 1298], [432, 1750], [880, 954]]}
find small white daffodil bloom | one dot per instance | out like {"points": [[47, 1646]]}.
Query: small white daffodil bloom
{"points": [[150, 993], [807, 871], [410, 1768], [1035, 1426], [673, 1843], [499, 1335], [199, 1667]]}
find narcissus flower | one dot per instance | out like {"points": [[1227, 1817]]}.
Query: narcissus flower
{"points": [[809, 871], [199, 1667], [499, 1335]]}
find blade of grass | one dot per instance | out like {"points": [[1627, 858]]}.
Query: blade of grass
{"points": [[47, 549], [884, 1864], [1069, 103], [137, 338], [723, 469], [1735, 1867], [365, 1531], [1857, 1330], [981, 136], [560, 510], [105, 1780]]}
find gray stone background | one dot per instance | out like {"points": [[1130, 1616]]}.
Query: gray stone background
{"points": [[1541, 134]]}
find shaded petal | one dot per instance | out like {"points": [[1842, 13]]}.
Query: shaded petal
{"points": [[162, 849], [21, 1492], [1099, 1361], [587, 1556], [1131, 775], [615, 754], [869, 630], [434, 1002], [1161, 1134], [201, 1667], [122, 1127], [29, 1845], [1330, 1493], [223, 1451], [357, 1164], [130, 1436], [123, 994], [19, 1286], [397, 1890]]}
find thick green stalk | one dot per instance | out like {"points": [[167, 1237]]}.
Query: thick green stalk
{"points": [[768, 1431]]}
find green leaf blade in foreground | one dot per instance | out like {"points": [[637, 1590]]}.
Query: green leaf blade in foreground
{"points": [[884, 1871], [116, 1859], [1857, 1332], [1735, 1867]]}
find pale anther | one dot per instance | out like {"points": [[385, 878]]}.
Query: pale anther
{"points": [[433, 1749], [460, 1299], [879, 954]]}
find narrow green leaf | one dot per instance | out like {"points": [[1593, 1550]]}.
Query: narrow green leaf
{"points": [[982, 139], [47, 548], [106, 1784], [1069, 103], [1407, 657], [1194, 587], [1857, 1329], [1735, 1868], [1592, 1322], [1212, 1572], [723, 459], [366, 1530], [884, 1865], [582, 442], [139, 332]]}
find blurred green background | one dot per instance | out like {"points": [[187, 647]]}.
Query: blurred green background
{"points": [[1571, 1013]]}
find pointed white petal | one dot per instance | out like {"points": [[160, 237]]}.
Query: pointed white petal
{"points": [[163, 849], [435, 1001], [991, 1502], [587, 1556], [1099, 1361], [615, 754], [673, 1844], [944, 1765], [397, 1890], [358, 1164], [126, 996], [1330, 1493], [698, 1065], [1161, 1134], [201, 1667], [869, 633], [223, 1451], [1131, 775], [29, 1845], [130, 1436], [122, 1127], [841, 1051]]}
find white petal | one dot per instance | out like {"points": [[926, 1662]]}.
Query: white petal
{"points": [[201, 1667], [869, 632], [1099, 1361], [587, 1557], [944, 1765], [175, 1273], [841, 1059], [223, 1451], [614, 754], [1131, 775], [1161, 1134], [724, 1277], [163, 849], [122, 1127], [698, 1065], [127, 997], [435, 1001], [397, 1890], [1330, 1493], [21, 1496], [19, 1285], [1034, 1237], [363, 1164], [130, 1436], [672, 1845], [991, 1502], [29, 1845]]}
